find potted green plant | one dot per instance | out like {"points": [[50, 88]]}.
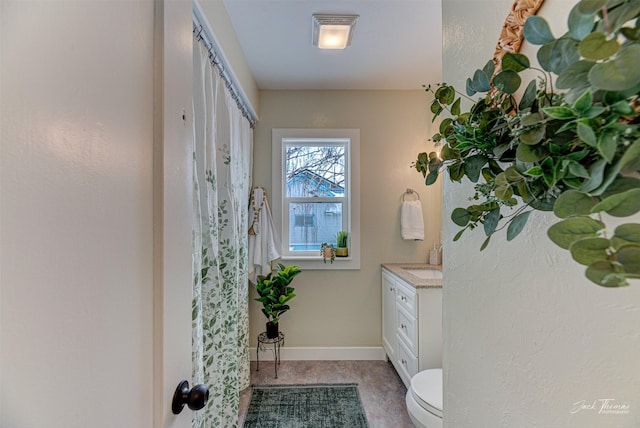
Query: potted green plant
{"points": [[328, 252], [342, 240], [575, 152], [275, 293]]}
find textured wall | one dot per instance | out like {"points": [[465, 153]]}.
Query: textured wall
{"points": [[76, 265], [526, 336], [343, 308]]}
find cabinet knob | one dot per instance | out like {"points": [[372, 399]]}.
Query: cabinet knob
{"points": [[403, 326]]}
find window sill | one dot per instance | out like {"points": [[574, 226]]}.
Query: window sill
{"points": [[316, 263]]}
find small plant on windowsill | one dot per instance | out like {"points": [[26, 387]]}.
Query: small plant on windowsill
{"points": [[343, 240], [328, 252], [275, 293], [576, 153]]}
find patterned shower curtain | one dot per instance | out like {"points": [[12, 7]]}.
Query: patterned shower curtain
{"points": [[222, 165]]}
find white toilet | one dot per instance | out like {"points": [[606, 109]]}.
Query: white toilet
{"points": [[424, 399]]}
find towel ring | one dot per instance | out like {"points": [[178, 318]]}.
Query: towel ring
{"points": [[410, 192]]}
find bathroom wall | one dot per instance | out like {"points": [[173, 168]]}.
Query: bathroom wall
{"points": [[76, 214], [343, 308], [526, 337], [95, 213]]}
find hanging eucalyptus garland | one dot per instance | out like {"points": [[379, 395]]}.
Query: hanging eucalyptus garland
{"points": [[572, 147]]}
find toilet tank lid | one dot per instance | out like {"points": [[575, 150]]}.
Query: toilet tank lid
{"points": [[427, 386]]}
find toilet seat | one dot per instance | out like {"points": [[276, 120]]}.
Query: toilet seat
{"points": [[426, 388]]}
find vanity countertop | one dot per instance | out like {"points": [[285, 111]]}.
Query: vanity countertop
{"points": [[399, 269]]}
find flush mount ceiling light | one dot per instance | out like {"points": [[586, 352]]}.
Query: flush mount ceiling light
{"points": [[333, 31]]}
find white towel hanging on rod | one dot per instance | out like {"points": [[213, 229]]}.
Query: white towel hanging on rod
{"points": [[411, 220]]}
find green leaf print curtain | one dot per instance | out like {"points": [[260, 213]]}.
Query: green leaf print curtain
{"points": [[222, 165]]}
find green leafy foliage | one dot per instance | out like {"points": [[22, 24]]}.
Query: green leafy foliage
{"points": [[537, 31], [327, 251], [275, 291], [342, 238], [575, 152]]}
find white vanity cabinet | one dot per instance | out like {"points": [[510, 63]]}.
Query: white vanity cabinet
{"points": [[411, 325]]}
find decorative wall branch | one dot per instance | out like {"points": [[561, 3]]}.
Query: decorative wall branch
{"points": [[512, 30]]}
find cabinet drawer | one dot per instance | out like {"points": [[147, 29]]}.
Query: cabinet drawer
{"points": [[407, 363], [406, 298], [407, 328], [389, 282]]}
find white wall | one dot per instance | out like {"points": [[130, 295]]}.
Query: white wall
{"points": [[76, 266], [343, 308], [526, 336], [95, 282]]}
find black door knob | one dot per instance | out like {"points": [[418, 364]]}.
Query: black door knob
{"points": [[195, 398]]}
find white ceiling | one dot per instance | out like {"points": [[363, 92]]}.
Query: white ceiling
{"points": [[397, 44]]}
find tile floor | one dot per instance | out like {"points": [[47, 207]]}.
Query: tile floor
{"points": [[381, 390]]}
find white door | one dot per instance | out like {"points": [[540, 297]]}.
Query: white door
{"points": [[173, 215], [95, 213]]}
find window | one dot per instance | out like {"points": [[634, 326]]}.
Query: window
{"points": [[316, 193]]}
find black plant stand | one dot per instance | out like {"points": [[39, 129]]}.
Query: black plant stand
{"points": [[266, 343]]}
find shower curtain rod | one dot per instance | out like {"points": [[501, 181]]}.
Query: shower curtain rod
{"points": [[202, 32]]}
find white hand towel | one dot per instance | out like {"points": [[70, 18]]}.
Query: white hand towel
{"points": [[411, 221], [264, 243]]}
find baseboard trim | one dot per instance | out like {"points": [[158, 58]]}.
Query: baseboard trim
{"points": [[326, 353]]}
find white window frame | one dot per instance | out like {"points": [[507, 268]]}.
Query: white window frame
{"points": [[351, 206]]}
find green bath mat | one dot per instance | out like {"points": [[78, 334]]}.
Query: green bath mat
{"points": [[306, 406]]}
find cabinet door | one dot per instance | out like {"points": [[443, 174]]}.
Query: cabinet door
{"points": [[389, 340]]}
